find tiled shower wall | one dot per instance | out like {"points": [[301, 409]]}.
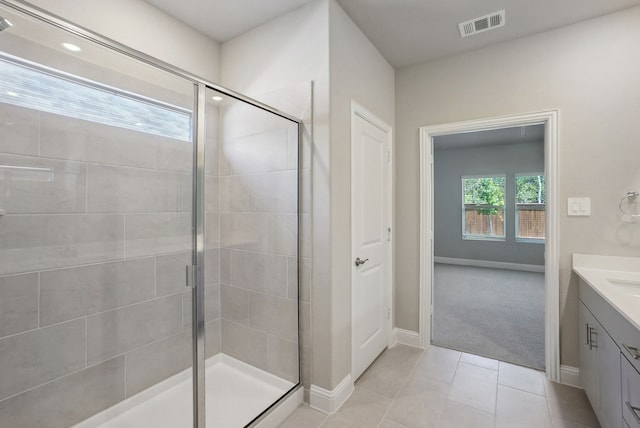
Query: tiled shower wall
{"points": [[258, 204], [93, 245]]}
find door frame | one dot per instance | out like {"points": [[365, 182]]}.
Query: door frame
{"points": [[552, 265], [360, 111]]}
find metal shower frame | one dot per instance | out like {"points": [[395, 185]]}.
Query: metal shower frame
{"points": [[198, 139]]}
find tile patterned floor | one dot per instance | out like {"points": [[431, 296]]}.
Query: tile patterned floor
{"points": [[440, 388]]}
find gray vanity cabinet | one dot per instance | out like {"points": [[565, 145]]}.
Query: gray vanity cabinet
{"points": [[600, 369], [601, 372], [588, 355]]}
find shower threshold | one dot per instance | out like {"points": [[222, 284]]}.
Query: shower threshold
{"points": [[236, 393]]}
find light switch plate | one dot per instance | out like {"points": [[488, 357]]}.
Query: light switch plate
{"points": [[579, 206]]}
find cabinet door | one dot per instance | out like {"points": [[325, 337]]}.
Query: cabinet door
{"points": [[610, 388], [588, 356], [630, 394]]}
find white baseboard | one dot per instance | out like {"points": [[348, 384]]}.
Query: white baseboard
{"points": [[489, 264], [330, 401], [406, 337], [570, 376]]}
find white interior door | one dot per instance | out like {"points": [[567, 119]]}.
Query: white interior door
{"points": [[371, 238]]}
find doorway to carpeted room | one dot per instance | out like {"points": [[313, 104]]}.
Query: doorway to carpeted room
{"points": [[496, 313]]}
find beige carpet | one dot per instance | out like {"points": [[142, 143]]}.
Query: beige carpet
{"points": [[496, 313]]}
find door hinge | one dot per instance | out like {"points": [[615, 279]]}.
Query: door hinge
{"points": [[388, 313], [388, 234]]}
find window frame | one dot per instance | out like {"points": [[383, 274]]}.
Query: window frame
{"points": [[516, 211], [471, 237]]}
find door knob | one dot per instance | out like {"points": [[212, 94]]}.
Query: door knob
{"points": [[359, 261]]}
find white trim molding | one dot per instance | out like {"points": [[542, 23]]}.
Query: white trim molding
{"points": [[570, 376], [552, 265], [406, 337], [330, 401], [488, 264]]}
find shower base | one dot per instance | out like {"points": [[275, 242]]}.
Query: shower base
{"points": [[235, 394]]}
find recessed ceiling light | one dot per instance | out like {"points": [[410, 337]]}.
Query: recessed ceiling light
{"points": [[71, 47], [5, 23], [216, 98], [11, 93]]}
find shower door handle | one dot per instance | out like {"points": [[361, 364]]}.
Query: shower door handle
{"points": [[190, 276]]}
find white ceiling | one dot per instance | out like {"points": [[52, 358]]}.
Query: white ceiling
{"points": [[223, 20], [406, 32]]}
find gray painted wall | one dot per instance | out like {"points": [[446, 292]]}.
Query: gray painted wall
{"points": [[586, 72], [505, 159]]}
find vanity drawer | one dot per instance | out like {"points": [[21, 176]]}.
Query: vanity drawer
{"points": [[630, 393]]}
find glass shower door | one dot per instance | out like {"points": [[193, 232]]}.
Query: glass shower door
{"points": [[96, 160], [251, 259]]}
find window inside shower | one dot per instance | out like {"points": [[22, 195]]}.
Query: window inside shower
{"points": [[99, 213]]}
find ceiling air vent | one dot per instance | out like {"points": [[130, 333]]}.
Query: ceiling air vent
{"points": [[482, 24]]}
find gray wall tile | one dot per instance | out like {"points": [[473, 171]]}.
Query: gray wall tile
{"points": [[160, 233], [282, 358], [212, 156], [234, 304], [33, 242], [263, 152], [35, 185], [186, 192], [213, 338], [68, 400], [19, 130], [18, 303], [71, 293], [174, 155], [244, 343], [121, 330], [212, 230], [259, 272], [212, 304], [63, 137], [212, 266], [119, 146], [32, 358], [235, 194], [156, 362], [212, 193], [171, 273], [276, 192], [225, 265], [123, 189], [282, 234], [274, 315]]}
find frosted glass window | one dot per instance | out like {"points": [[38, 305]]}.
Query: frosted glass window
{"points": [[42, 90]]}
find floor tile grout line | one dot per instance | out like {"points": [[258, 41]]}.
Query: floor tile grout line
{"points": [[451, 384], [406, 379]]}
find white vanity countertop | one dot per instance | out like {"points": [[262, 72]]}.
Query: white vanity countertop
{"points": [[616, 279]]}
